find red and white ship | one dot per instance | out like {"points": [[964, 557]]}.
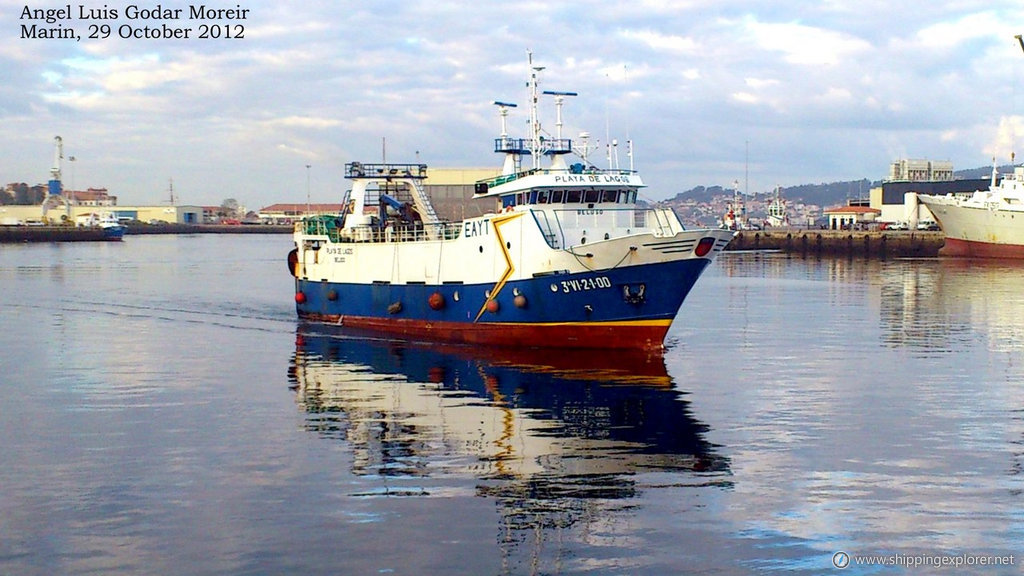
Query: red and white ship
{"points": [[986, 224]]}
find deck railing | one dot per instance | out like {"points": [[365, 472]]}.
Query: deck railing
{"points": [[560, 227], [329, 226]]}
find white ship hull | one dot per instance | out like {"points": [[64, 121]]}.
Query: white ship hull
{"points": [[989, 224]]}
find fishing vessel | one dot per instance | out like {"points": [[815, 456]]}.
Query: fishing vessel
{"points": [[564, 257], [736, 217], [985, 224], [777, 215]]}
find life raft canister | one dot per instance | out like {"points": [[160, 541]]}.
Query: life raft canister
{"points": [[293, 262]]}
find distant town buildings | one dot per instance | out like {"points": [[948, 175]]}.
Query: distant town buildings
{"points": [[19, 193], [91, 197], [452, 193], [288, 213]]}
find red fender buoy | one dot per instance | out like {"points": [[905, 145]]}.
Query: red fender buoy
{"points": [[300, 297], [493, 306], [436, 301]]}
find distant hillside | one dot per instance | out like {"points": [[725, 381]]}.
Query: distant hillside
{"points": [[981, 172], [701, 194], [828, 194], [825, 194]]}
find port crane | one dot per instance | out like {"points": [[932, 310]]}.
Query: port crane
{"points": [[54, 188]]}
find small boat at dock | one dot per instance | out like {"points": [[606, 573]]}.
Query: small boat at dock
{"points": [[111, 227]]}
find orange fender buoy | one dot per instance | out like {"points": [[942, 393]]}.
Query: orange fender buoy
{"points": [[436, 301]]}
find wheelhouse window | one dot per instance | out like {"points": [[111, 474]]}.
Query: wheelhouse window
{"points": [[577, 196]]}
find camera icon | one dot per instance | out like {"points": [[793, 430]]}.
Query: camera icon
{"points": [[841, 560]]}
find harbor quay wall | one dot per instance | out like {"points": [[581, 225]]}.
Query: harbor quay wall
{"points": [[209, 229], [877, 244], [871, 243], [20, 234]]}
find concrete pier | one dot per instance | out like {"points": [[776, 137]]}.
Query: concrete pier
{"points": [[876, 244], [19, 234]]}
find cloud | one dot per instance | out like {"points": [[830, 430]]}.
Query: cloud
{"points": [[657, 41], [688, 82], [948, 35], [1006, 139], [806, 45]]}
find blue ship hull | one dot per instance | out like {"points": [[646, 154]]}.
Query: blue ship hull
{"points": [[593, 309], [113, 232]]}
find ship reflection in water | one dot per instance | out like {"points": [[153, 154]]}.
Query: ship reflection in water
{"points": [[542, 431]]}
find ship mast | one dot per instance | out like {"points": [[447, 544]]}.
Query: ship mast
{"points": [[535, 150], [536, 145], [1021, 42]]}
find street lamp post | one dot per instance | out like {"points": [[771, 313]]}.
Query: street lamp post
{"points": [[71, 193]]}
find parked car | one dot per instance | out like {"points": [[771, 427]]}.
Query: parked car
{"points": [[897, 226]]}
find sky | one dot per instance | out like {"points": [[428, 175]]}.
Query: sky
{"points": [[710, 92]]}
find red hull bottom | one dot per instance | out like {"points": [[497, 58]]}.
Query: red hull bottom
{"points": [[633, 335], [968, 249]]}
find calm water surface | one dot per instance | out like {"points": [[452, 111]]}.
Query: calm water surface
{"points": [[162, 412]]}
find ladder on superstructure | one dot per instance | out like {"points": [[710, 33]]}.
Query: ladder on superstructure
{"points": [[412, 174]]}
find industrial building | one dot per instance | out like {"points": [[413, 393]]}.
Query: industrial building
{"points": [[920, 177], [20, 214], [451, 192]]}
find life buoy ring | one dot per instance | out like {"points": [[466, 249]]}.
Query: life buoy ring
{"points": [[508, 208]]}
